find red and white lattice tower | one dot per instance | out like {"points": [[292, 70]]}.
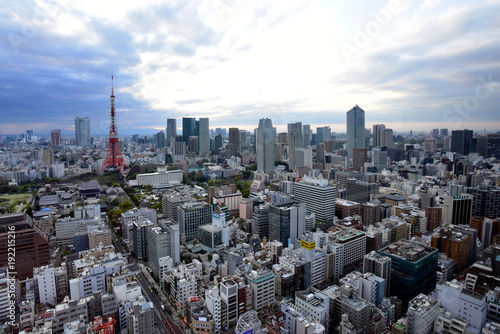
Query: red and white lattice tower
{"points": [[114, 159]]}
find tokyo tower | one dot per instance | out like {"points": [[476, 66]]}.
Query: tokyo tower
{"points": [[114, 158]]}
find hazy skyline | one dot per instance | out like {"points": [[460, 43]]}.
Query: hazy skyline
{"points": [[408, 64]]}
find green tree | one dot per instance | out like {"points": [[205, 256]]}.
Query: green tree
{"points": [[29, 210], [158, 207], [113, 216], [126, 205]]}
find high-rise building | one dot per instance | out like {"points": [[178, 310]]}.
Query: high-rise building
{"points": [[243, 138], [455, 244], [32, 250], [159, 139], [303, 157], [234, 139], [260, 221], [388, 138], [359, 157], [293, 143], [434, 216], [229, 302], [217, 142], [55, 137], [29, 135], [306, 135], [371, 213], [265, 146], [323, 133], [171, 129], [48, 156], [318, 196], [462, 303], [140, 318], [193, 144], [485, 201], [355, 129], [359, 191], [191, 216], [46, 284], [378, 134], [457, 210], [286, 221], [296, 126], [140, 238], [422, 312], [380, 266], [443, 132], [430, 145], [204, 136], [379, 159], [163, 240], [320, 153], [82, 131], [188, 128], [262, 284], [414, 267], [461, 141]]}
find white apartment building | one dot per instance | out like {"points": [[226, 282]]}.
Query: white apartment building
{"points": [[165, 265], [314, 305], [354, 244], [422, 312], [47, 291], [462, 304], [67, 311], [318, 196], [262, 284], [213, 304], [90, 280], [126, 289]]}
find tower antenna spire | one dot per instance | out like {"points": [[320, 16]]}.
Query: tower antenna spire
{"points": [[114, 158]]}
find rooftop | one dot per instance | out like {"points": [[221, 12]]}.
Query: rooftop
{"points": [[408, 250], [422, 303]]}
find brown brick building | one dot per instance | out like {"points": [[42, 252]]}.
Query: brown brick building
{"points": [[31, 249]]}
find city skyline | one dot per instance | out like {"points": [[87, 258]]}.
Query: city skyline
{"points": [[238, 62]]}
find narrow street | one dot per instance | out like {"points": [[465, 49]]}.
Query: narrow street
{"points": [[163, 321]]}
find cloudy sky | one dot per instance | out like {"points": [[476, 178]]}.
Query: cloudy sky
{"points": [[409, 64]]}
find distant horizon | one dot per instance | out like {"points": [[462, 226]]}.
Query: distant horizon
{"points": [[412, 65], [142, 132]]}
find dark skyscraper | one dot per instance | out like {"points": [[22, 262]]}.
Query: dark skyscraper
{"points": [[355, 129], [159, 139], [171, 129], [234, 139], [298, 127], [461, 141], [188, 128], [378, 134]]}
